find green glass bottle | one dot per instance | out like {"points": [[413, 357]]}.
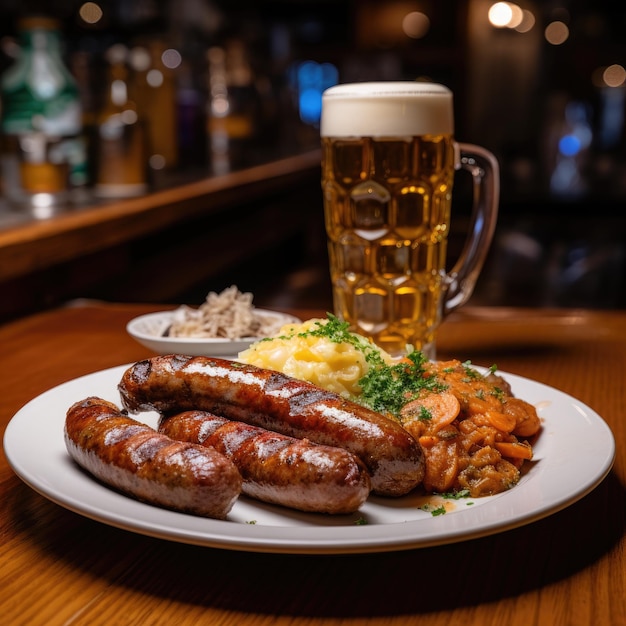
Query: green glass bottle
{"points": [[43, 150]]}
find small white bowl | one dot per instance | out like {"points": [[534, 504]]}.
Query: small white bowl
{"points": [[149, 331]]}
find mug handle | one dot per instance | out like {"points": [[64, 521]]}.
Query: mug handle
{"points": [[483, 167]]}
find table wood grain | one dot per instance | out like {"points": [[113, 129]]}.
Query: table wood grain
{"points": [[60, 568]]}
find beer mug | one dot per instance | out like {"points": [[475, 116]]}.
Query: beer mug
{"points": [[388, 163]]}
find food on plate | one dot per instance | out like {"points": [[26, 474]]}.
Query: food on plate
{"points": [[319, 351], [473, 431], [326, 353], [229, 314], [278, 469], [137, 460], [277, 402], [313, 418]]}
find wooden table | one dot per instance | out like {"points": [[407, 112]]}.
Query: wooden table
{"points": [[569, 569]]}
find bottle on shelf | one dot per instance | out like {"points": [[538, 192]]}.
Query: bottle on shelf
{"points": [[231, 108], [153, 88], [43, 150], [121, 148]]}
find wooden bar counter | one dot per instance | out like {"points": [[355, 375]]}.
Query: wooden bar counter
{"points": [[568, 569], [132, 249]]}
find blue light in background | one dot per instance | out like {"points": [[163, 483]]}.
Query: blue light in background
{"points": [[310, 104], [311, 79], [569, 145]]}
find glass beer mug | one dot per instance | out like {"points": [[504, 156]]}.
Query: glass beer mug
{"points": [[388, 162]]}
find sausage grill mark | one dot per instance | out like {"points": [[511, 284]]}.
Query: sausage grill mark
{"points": [[150, 466], [279, 469], [175, 383]]}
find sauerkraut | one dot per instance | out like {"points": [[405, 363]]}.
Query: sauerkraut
{"points": [[229, 315]]}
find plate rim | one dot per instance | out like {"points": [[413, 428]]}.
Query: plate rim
{"points": [[300, 539]]}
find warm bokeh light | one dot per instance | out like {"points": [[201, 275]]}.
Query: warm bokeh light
{"points": [[614, 76], [527, 23], [171, 58], [517, 15], [154, 78], [129, 117], [510, 15], [139, 59], [415, 24], [90, 13], [157, 162], [556, 33], [500, 14]]}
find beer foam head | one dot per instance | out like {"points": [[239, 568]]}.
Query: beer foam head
{"points": [[386, 109]]}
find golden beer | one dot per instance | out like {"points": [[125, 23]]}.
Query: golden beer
{"points": [[388, 164], [387, 219]]}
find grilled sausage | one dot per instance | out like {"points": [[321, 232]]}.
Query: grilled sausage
{"points": [[274, 401], [278, 469], [137, 460]]}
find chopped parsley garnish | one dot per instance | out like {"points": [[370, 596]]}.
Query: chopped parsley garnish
{"points": [[498, 393], [428, 508], [470, 372], [338, 331], [425, 414], [455, 495], [386, 388], [474, 374]]}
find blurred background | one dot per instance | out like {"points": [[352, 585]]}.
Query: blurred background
{"points": [[228, 84]]}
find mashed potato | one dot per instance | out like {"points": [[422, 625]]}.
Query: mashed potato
{"points": [[332, 365]]}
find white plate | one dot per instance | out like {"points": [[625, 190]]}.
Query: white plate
{"points": [[148, 331], [557, 477]]}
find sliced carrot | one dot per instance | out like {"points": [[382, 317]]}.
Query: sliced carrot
{"points": [[478, 405], [441, 408], [501, 421], [514, 450]]}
